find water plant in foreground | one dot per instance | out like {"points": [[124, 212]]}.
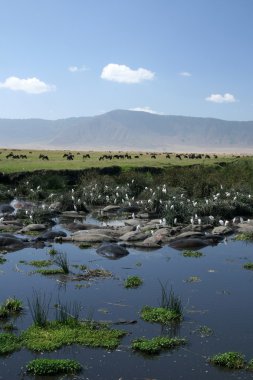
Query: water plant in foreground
{"points": [[56, 334], [170, 309], [53, 366], [39, 308], [248, 266], [62, 261], [232, 360], [9, 343], [133, 282], [157, 344], [190, 253]]}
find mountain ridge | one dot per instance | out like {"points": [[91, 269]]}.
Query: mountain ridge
{"points": [[128, 130]]}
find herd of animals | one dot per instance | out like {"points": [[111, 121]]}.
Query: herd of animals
{"points": [[70, 156]]}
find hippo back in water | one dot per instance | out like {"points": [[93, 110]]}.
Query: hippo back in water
{"points": [[10, 242], [112, 251]]}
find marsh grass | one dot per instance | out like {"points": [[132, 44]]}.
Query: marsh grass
{"points": [[49, 272], [39, 308], [53, 366], [232, 360], [40, 263], [244, 236], [156, 345], [68, 312], [13, 305], [62, 262]]}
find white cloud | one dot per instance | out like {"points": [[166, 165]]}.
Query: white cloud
{"points": [[145, 109], [75, 69], [185, 74], [28, 85], [124, 74], [218, 98]]}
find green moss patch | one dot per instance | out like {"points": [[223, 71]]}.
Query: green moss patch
{"points": [[49, 272], [232, 360], [190, 253], [53, 366], [248, 266], [157, 344], [245, 236], [9, 343], [56, 334], [133, 282], [160, 315], [40, 263]]}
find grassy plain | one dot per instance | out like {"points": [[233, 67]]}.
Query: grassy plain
{"points": [[56, 161]]}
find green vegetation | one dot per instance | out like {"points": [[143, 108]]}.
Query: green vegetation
{"points": [[85, 245], [52, 252], [157, 344], [39, 308], [232, 360], [9, 327], [249, 366], [248, 266], [49, 272], [62, 261], [53, 366], [56, 334], [2, 260], [190, 253], [133, 282], [193, 279], [9, 307], [204, 331], [160, 315], [68, 312], [9, 343], [40, 263], [245, 236]]}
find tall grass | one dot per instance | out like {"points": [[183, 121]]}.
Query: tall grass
{"points": [[62, 262], [68, 312], [39, 308], [169, 300]]}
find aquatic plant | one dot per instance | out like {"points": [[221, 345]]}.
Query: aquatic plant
{"points": [[170, 301], [52, 251], [2, 260], [190, 253], [157, 344], [9, 343], [68, 312], [49, 272], [62, 261], [248, 266], [40, 263], [39, 308], [244, 236], [249, 366], [133, 282], [53, 366], [159, 315], [13, 305], [55, 334], [232, 360]]}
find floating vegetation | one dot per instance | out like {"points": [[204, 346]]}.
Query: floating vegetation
{"points": [[49, 272], [13, 305], [56, 334], [190, 253], [160, 315], [248, 266], [203, 331], [9, 343], [52, 252], [40, 263], [193, 279], [53, 366], [157, 344], [232, 360], [133, 282], [249, 366], [68, 312], [9, 327], [92, 273], [2, 260]]}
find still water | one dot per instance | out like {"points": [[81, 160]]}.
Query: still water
{"points": [[220, 298]]}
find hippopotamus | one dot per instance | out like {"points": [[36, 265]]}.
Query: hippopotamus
{"points": [[195, 242], [9, 242], [112, 251], [50, 235]]}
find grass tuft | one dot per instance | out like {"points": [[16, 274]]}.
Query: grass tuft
{"points": [[133, 282], [53, 366], [39, 308], [232, 360]]}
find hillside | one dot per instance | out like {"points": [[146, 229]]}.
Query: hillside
{"points": [[128, 130]]}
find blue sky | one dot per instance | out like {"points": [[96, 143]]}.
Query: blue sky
{"points": [[64, 58]]}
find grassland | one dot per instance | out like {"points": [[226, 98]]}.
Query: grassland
{"points": [[56, 161]]}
